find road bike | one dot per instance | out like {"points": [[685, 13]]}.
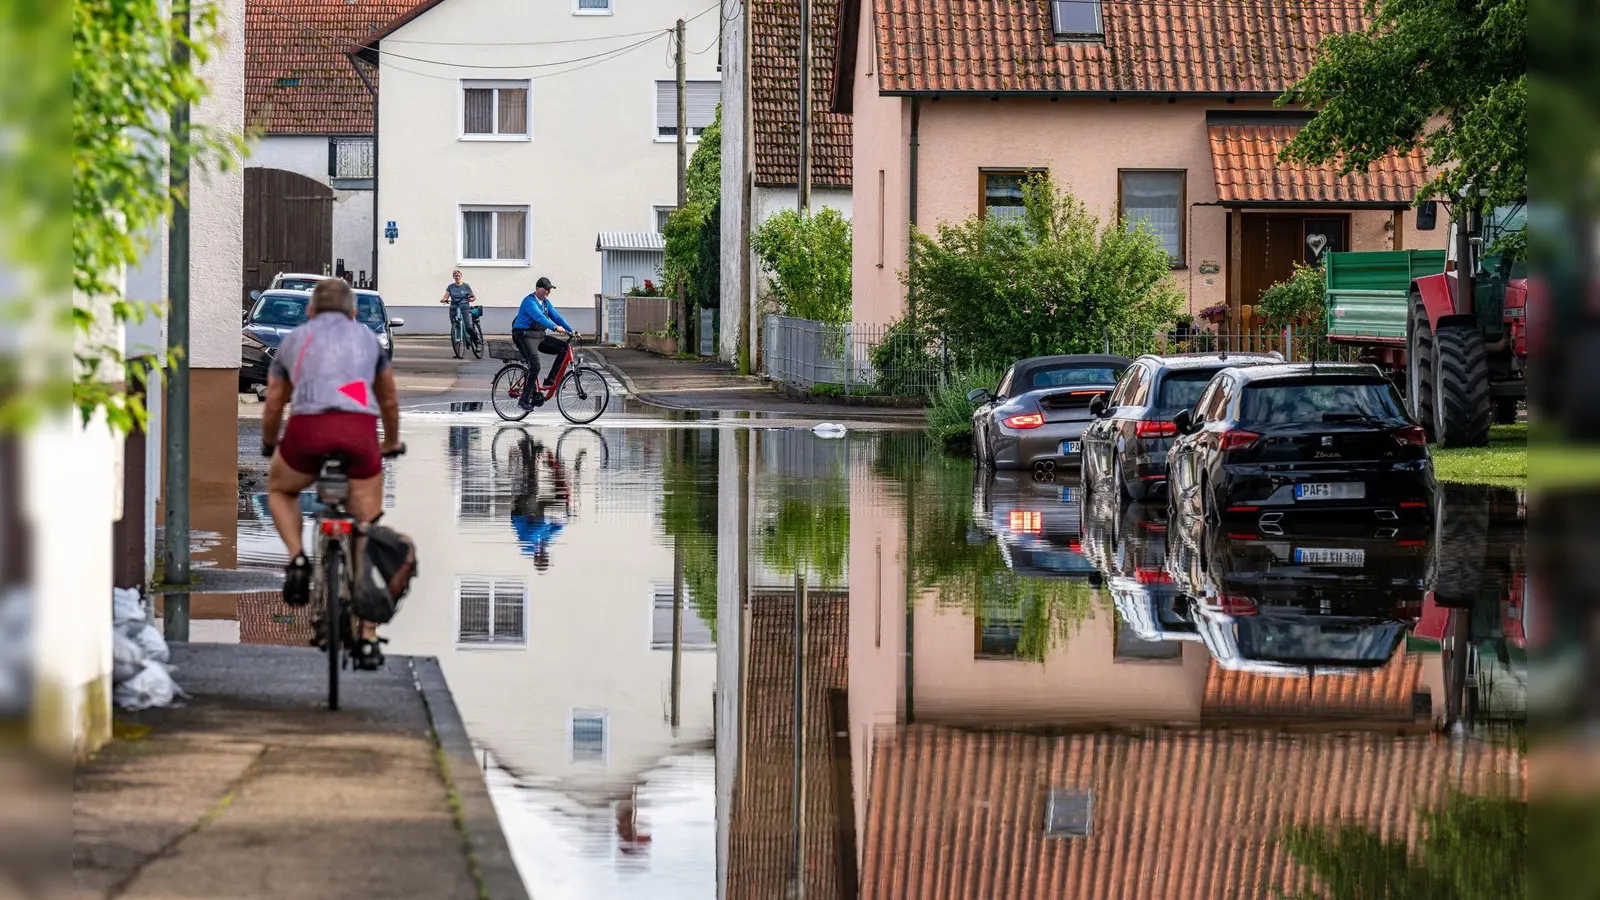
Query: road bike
{"points": [[466, 332], [334, 580], [580, 391]]}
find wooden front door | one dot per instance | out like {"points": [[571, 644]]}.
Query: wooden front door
{"points": [[288, 226], [1274, 242]]}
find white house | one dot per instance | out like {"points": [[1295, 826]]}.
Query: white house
{"points": [[511, 133]]}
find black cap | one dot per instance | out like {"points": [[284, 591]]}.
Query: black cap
{"points": [[545, 283]]}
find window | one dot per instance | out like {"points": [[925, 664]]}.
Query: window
{"points": [[1182, 389], [1155, 198], [494, 234], [1215, 402], [494, 110], [1128, 646], [586, 736], [591, 7], [1076, 18], [491, 612], [1120, 392], [661, 214], [696, 631], [1128, 390], [1002, 192], [699, 107], [1005, 383], [350, 157], [1208, 400], [1069, 813]]}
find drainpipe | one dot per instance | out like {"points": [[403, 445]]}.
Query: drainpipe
{"points": [[376, 225], [911, 245]]}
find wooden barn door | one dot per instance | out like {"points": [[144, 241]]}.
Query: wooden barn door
{"points": [[288, 226]]}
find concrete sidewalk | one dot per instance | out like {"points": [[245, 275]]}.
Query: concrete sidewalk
{"points": [[254, 789], [714, 386]]}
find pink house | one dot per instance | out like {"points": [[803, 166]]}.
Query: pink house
{"points": [[1148, 110]]}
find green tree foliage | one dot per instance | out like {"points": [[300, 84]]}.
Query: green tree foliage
{"points": [[807, 259], [694, 233], [1445, 75], [689, 516], [1473, 848], [810, 531], [1052, 281], [131, 66]]}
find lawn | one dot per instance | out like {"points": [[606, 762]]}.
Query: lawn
{"points": [[1503, 462]]}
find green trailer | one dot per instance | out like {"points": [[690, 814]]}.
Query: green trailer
{"points": [[1369, 294]]}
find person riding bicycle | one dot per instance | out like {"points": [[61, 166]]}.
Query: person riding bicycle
{"points": [[337, 380], [530, 512], [460, 297], [530, 333]]}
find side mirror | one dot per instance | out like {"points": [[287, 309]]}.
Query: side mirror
{"points": [[1097, 406], [979, 395], [1184, 421], [255, 295], [396, 323], [1428, 216]]}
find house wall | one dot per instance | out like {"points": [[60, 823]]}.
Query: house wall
{"points": [[768, 201], [1083, 143], [593, 163], [352, 209], [880, 129]]}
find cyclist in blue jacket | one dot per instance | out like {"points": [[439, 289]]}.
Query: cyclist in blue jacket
{"points": [[530, 332]]}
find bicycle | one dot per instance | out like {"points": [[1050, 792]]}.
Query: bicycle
{"points": [[581, 392], [466, 331], [335, 559]]}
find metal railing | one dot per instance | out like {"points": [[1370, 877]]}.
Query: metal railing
{"points": [[853, 357], [1295, 346]]}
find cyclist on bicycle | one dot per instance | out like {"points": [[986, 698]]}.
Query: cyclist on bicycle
{"points": [[337, 379], [530, 332], [459, 295], [530, 512]]}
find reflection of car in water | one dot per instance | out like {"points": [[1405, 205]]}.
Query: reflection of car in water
{"points": [[1128, 544], [1034, 521], [1330, 599]]}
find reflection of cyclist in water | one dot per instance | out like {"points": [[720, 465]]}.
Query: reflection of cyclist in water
{"points": [[537, 518]]}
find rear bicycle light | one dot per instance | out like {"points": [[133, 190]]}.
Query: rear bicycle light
{"points": [[1411, 436], [1239, 440], [1024, 421], [1155, 429]]}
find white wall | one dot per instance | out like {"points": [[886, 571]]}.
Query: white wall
{"points": [[735, 85], [764, 202], [352, 209], [593, 163], [216, 247]]}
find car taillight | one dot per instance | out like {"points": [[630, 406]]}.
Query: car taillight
{"points": [[1152, 576], [1238, 606], [1411, 436], [1026, 522], [1026, 420], [1155, 429], [1239, 440]]}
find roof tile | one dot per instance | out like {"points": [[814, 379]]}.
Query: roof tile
{"points": [[775, 95], [1244, 158]]}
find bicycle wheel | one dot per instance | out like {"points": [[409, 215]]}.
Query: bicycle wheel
{"points": [[475, 340], [333, 618], [578, 448], [509, 383], [583, 395], [455, 338]]}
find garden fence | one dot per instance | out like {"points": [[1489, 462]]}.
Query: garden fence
{"points": [[809, 354]]}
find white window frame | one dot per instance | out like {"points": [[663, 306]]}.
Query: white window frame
{"points": [[495, 85], [655, 112], [656, 593], [605, 733], [461, 235], [609, 10], [493, 583], [657, 210]]}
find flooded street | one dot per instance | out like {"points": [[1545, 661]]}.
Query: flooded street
{"points": [[726, 658]]}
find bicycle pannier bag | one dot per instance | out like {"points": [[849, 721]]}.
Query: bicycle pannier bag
{"points": [[387, 568]]}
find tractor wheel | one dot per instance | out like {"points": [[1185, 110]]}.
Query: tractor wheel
{"points": [[1461, 387], [1419, 366]]}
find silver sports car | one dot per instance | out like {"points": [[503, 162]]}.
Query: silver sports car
{"points": [[1034, 419]]}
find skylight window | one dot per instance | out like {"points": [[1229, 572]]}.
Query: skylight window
{"points": [[1077, 19]]}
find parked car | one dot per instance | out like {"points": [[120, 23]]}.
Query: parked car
{"points": [[1035, 417], [1270, 441], [1128, 544], [1125, 446], [1034, 522], [278, 312]]}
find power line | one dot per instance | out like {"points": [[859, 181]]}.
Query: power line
{"points": [[603, 59]]}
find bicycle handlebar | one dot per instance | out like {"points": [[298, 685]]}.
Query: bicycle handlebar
{"points": [[398, 451]]}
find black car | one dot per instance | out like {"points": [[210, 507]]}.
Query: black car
{"points": [[1125, 447], [1035, 417], [277, 312], [1266, 442]]}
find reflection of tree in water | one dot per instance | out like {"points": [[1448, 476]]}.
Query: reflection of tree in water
{"points": [[965, 567], [1471, 847], [689, 515], [809, 531]]}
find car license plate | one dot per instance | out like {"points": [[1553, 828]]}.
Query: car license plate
{"points": [[1330, 490], [1066, 495], [1329, 556], [1070, 448]]}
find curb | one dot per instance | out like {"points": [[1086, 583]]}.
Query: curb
{"points": [[494, 866]]}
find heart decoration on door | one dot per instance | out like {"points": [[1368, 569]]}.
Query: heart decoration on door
{"points": [[1317, 243]]}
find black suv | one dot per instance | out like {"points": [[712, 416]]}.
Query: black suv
{"points": [[1265, 442], [1126, 446]]}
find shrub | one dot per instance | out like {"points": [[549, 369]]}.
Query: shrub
{"points": [[1053, 281], [1297, 300], [903, 361], [949, 410], [808, 261]]}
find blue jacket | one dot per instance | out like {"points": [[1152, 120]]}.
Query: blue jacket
{"points": [[535, 533], [536, 313]]}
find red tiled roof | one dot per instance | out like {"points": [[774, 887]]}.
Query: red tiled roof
{"points": [[1176, 47], [775, 95], [1176, 815], [1386, 694], [298, 79], [1244, 158]]}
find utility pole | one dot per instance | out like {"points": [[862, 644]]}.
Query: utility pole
{"points": [[683, 185], [677, 631], [803, 170], [175, 552], [799, 736]]}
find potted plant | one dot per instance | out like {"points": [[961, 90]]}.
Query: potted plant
{"points": [[1214, 313]]}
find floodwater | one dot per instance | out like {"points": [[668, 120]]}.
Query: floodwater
{"points": [[724, 658]]}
